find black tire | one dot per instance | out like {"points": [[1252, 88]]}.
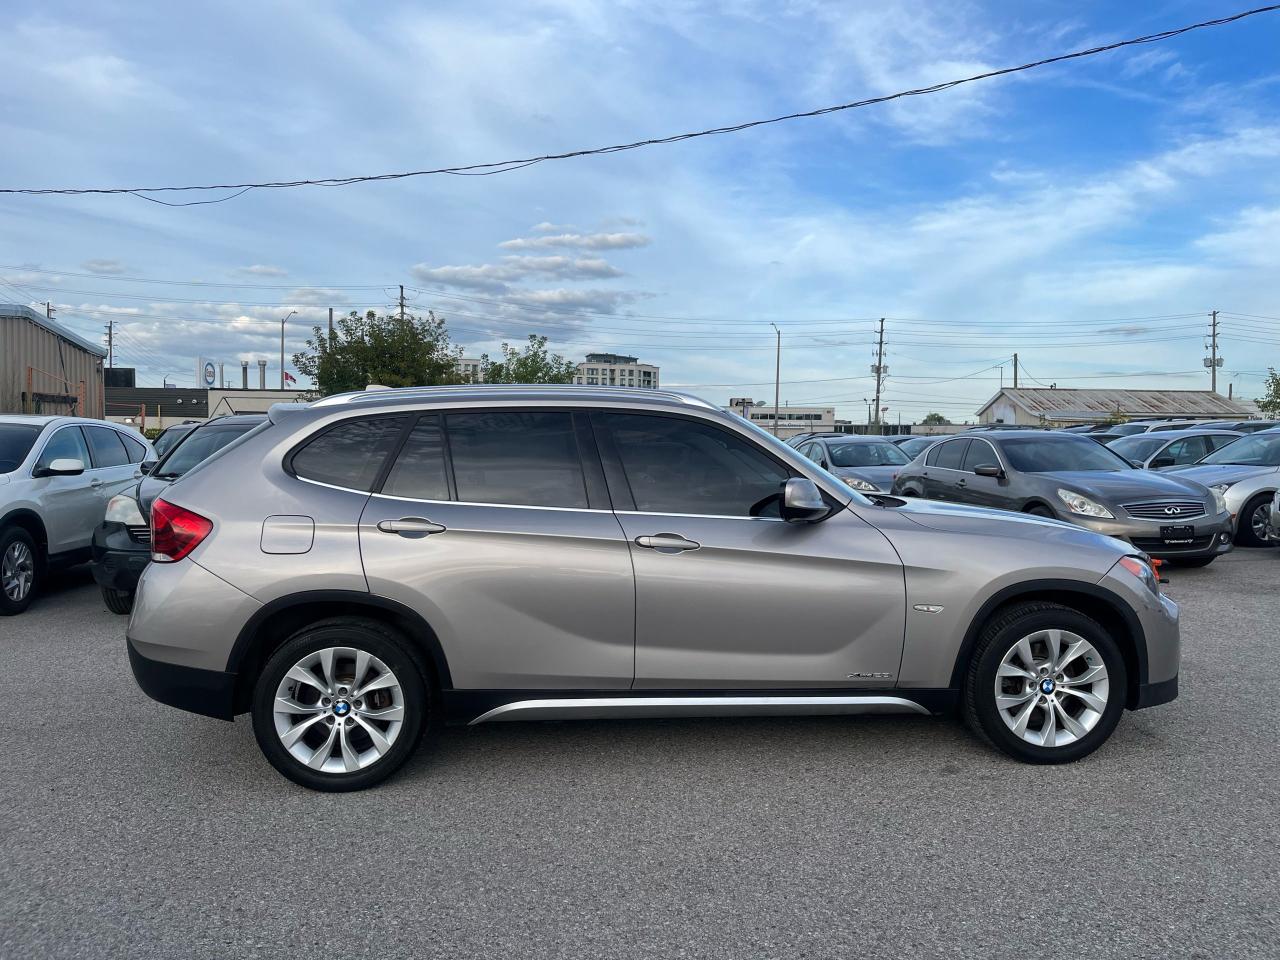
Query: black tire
{"points": [[1245, 537], [1040, 511], [997, 638], [1192, 561], [118, 601], [371, 637], [8, 538]]}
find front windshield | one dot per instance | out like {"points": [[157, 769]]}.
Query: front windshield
{"points": [[1058, 454], [16, 441], [784, 452], [859, 453], [914, 446], [1256, 450], [196, 446], [1139, 447], [1124, 429], [169, 439]]}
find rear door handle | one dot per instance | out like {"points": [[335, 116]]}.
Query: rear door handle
{"points": [[411, 527], [667, 543], [95, 483]]}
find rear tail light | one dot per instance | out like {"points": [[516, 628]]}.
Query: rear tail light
{"points": [[175, 531]]}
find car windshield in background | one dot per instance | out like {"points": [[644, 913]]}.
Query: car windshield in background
{"points": [[1058, 454], [1261, 450], [197, 446], [856, 453], [169, 439], [913, 446], [1138, 447], [16, 440]]}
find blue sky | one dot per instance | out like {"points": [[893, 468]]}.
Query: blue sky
{"points": [[1038, 213]]}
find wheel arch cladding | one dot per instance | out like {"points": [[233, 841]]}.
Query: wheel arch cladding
{"points": [[280, 619], [1097, 603], [29, 521]]}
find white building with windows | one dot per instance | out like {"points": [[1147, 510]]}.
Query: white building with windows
{"points": [[791, 420], [469, 367], [616, 370]]}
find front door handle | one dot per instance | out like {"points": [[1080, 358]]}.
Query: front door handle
{"points": [[667, 543], [962, 483], [411, 527], [95, 483]]}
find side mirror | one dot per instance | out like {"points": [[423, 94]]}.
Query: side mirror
{"points": [[802, 501], [62, 467], [1159, 463], [988, 470], [146, 466]]}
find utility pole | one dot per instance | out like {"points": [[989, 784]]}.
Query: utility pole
{"points": [[48, 310], [878, 369], [282, 322], [1015, 371], [110, 343], [1213, 351], [777, 378], [402, 303], [331, 327]]}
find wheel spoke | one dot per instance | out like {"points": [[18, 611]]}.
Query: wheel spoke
{"points": [[1049, 732], [362, 667], [303, 675], [380, 742], [350, 759], [1053, 645], [1073, 651], [1024, 651], [1090, 700], [381, 682], [1074, 727], [326, 666], [1092, 675], [1008, 669], [386, 713], [294, 733], [325, 750], [1020, 724], [289, 705]]}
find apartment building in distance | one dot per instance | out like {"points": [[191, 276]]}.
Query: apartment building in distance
{"points": [[616, 370]]}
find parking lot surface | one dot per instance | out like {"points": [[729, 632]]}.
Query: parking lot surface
{"points": [[134, 829]]}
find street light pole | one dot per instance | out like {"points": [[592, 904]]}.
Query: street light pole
{"points": [[777, 378], [282, 321]]}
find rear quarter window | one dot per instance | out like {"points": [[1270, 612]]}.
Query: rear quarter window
{"points": [[350, 454]]}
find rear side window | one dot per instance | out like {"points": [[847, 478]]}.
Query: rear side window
{"points": [[948, 455], [681, 466], [106, 447], [419, 471], [523, 457], [350, 454], [137, 449]]}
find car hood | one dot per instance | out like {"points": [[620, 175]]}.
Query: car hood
{"points": [[882, 477], [1126, 485], [1211, 473], [955, 518]]}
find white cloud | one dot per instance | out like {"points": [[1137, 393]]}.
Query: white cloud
{"points": [[263, 270], [104, 266], [579, 241]]}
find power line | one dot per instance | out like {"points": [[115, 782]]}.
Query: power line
{"points": [[505, 166]]}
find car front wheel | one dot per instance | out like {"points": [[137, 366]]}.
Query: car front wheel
{"points": [[340, 706], [18, 570], [1046, 684], [1251, 527]]}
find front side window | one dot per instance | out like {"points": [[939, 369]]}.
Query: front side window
{"points": [[1186, 450], [106, 447], [66, 444], [350, 454], [682, 466], [16, 441], [949, 455], [521, 457], [419, 470], [979, 454]]}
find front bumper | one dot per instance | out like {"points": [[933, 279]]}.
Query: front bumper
{"points": [[1210, 536], [117, 559], [207, 692]]}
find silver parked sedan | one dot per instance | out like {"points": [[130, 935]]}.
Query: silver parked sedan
{"points": [[1164, 450], [490, 553], [866, 463], [1245, 473]]}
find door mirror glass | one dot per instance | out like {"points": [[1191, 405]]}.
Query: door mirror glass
{"points": [[988, 470], [802, 501], [64, 467], [147, 466]]}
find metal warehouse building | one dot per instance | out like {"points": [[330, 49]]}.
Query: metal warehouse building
{"points": [[45, 368]]}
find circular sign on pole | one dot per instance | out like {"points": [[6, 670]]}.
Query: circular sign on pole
{"points": [[210, 374]]}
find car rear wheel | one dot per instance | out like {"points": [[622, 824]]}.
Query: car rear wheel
{"points": [[1251, 527], [1046, 684], [118, 601], [340, 706], [19, 570]]}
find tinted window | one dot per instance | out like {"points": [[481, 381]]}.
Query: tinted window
{"points": [[1064, 453], [106, 447], [916, 445], [197, 445], [419, 473], [16, 441], [66, 444], [168, 439], [949, 454], [1256, 449], [1186, 450], [518, 457], [350, 454], [1137, 447], [137, 449], [680, 466], [877, 453], [979, 453], [1220, 440]]}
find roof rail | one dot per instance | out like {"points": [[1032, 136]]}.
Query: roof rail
{"points": [[392, 395]]}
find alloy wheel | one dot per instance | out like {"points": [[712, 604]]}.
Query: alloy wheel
{"points": [[1051, 688], [338, 710], [1259, 519], [17, 571]]}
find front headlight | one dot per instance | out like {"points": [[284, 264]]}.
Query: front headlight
{"points": [[863, 485], [122, 508], [1079, 503], [1219, 491]]}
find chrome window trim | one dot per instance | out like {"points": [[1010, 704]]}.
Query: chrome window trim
{"points": [[600, 707], [477, 503], [699, 516]]}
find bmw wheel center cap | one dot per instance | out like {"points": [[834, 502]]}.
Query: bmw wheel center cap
{"points": [[341, 708], [1046, 686]]}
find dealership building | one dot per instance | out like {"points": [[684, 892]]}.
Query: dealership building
{"points": [[46, 368]]}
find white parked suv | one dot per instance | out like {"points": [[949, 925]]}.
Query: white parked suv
{"points": [[56, 476]]}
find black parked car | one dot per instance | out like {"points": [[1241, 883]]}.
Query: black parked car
{"points": [[1069, 477], [121, 546]]}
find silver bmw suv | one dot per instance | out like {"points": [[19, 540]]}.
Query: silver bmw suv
{"points": [[356, 571]]}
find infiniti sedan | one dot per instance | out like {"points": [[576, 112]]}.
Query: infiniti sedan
{"points": [[1072, 478], [1245, 473], [868, 464]]}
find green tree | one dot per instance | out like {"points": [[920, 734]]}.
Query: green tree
{"points": [[387, 350], [1269, 404], [934, 420], [533, 364]]}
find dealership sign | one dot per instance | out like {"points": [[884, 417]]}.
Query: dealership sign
{"points": [[206, 373]]}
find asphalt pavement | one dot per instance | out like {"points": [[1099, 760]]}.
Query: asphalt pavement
{"points": [[131, 829]]}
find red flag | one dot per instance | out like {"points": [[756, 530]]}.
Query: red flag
{"points": [[289, 377]]}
